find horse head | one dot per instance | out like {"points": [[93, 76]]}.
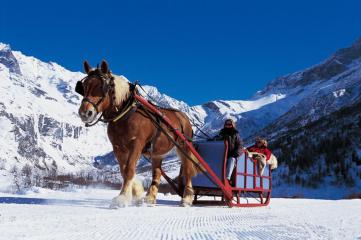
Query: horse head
{"points": [[96, 89]]}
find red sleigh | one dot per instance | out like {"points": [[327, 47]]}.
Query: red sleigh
{"points": [[248, 188]]}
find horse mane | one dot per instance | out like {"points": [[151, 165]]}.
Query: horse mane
{"points": [[122, 93], [121, 89]]}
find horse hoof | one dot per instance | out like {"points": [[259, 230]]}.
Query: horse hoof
{"points": [[139, 202], [187, 201], [114, 205], [186, 204], [119, 202], [150, 201]]}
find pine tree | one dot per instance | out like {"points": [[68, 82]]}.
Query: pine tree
{"points": [[26, 172], [54, 170], [15, 172]]}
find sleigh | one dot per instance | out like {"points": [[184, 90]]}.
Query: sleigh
{"points": [[248, 189]]}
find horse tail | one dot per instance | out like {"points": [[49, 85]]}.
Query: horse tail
{"points": [[196, 166], [190, 164]]}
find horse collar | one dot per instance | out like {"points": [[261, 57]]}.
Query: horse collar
{"points": [[131, 109]]}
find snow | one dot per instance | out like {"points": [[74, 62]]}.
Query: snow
{"points": [[339, 93], [41, 97], [84, 214], [3, 46], [237, 106]]}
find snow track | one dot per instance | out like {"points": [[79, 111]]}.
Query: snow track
{"points": [[85, 215]]}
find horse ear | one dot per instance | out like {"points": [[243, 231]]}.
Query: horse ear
{"points": [[104, 67], [87, 67]]}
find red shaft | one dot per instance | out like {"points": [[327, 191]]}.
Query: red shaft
{"points": [[227, 192]]}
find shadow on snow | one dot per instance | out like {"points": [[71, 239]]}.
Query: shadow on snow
{"points": [[88, 202]]}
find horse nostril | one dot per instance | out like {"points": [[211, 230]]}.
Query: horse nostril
{"points": [[89, 113]]}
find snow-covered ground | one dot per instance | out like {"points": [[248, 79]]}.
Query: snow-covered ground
{"points": [[84, 214]]}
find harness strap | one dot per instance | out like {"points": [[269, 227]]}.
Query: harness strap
{"points": [[95, 105], [154, 137], [123, 113], [150, 144], [92, 124]]}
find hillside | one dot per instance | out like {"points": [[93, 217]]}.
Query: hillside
{"points": [[326, 152]]}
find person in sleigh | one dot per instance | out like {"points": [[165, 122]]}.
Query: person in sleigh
{"points": [[235, 146], [262, 154]]}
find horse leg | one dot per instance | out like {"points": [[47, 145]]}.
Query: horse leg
{"points": [[138, 191], [130, 185], [188, 171], [188, 193], [153, 188], [122, 157]]}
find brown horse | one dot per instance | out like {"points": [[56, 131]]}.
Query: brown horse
{"points": [[132, 133]]}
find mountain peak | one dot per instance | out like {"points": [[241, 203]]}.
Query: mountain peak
{"points": [[4, 47], [8, 59]]}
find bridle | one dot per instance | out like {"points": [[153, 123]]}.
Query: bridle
{"points": [[107, 81], [108, 87]]}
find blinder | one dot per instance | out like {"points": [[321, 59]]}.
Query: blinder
{"points": [[79, 88]]}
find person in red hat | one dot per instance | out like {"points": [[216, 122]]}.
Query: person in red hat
{"points": [[260, 152]]}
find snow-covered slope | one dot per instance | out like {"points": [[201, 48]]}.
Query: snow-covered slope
{"points": [[85, 215], [38, 116], [293, 100], [317, 91], [250, 115], [39, 120]]}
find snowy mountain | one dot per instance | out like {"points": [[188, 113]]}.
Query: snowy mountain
{"points": [[38, 116], [318, 91], [40, 124], [293, 100]]}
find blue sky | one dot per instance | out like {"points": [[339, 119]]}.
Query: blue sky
{"points": [[195, 51]]}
